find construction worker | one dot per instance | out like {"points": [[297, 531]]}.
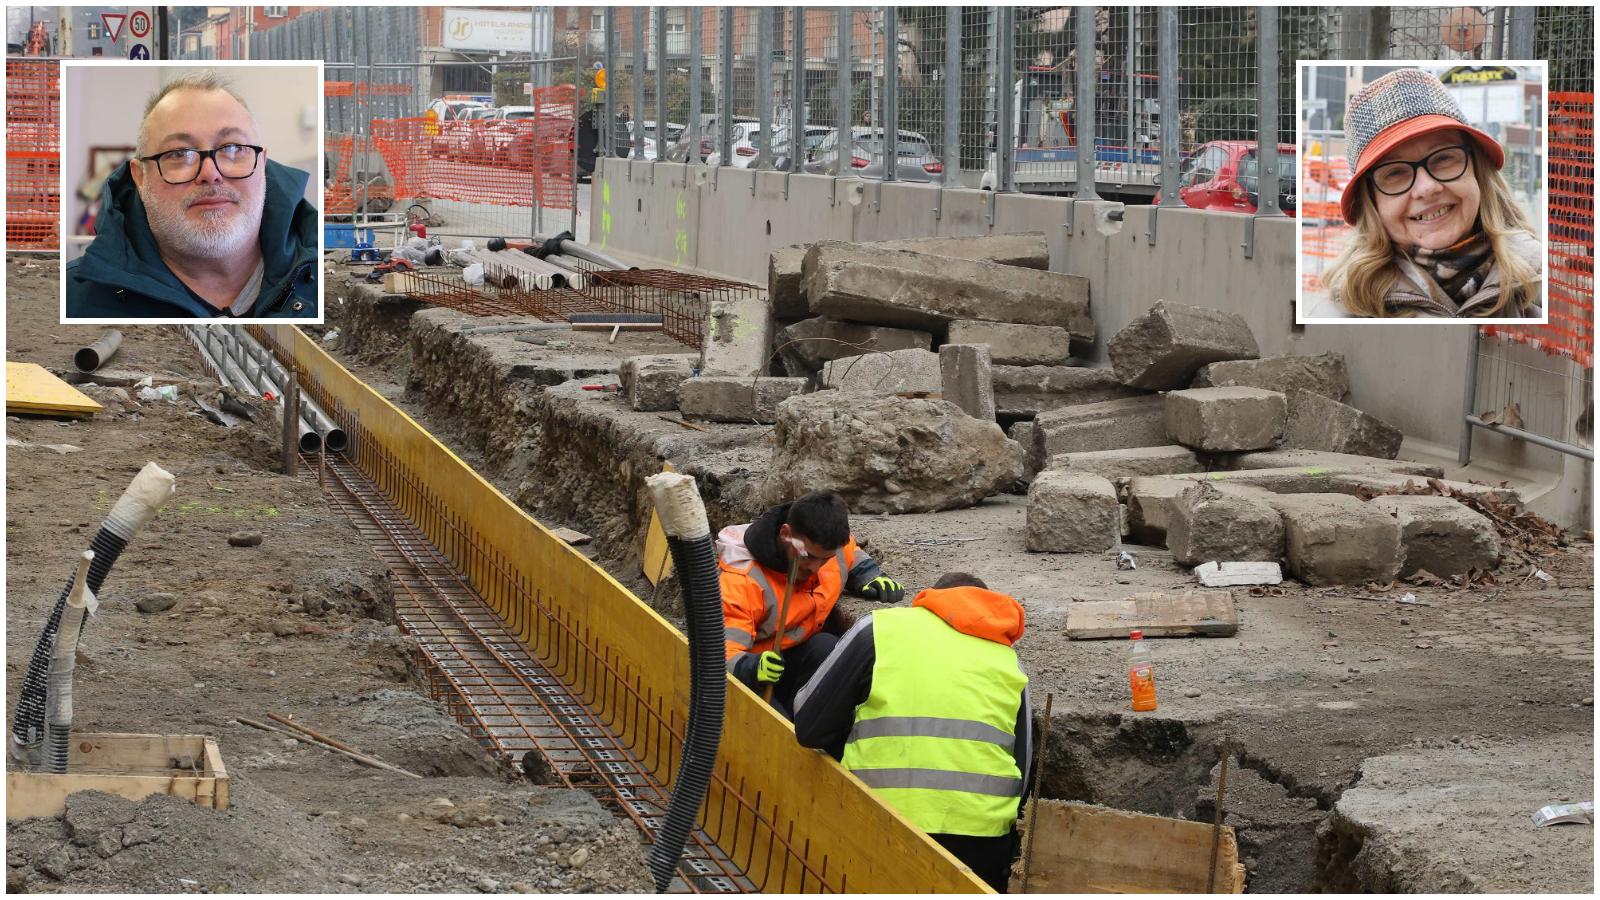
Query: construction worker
{"points": [[811, 535], [928, 705]]}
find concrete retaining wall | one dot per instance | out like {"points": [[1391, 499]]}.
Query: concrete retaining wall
{"points": [[727, 221]]}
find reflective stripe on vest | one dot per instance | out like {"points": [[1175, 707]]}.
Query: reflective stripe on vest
{"points": [[739, 636], [769, 624], [936, 733]]}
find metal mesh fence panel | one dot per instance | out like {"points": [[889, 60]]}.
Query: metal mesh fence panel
{"points": [[1217, 70], [821, 83], [33, 154], [1460, 32], [920, 76], [978, 90]]}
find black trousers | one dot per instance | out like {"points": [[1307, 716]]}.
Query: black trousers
{"points": [[800, 662], [989, 857]]}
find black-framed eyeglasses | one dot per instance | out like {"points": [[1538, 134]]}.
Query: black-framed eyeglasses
{"points": [[1443, 165], [183, 165]]}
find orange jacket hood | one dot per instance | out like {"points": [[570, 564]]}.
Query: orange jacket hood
{"points": [[990, 615]]}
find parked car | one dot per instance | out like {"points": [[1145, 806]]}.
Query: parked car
{"points": [[678, 150], [913, 157], [1225, 175], [447, 110]]}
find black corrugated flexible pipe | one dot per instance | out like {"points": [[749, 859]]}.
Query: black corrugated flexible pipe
{"points": [[152, 487], [683, 518]]}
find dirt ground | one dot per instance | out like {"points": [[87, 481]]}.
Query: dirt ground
{"points": [[298, 625], [1317, 682]]}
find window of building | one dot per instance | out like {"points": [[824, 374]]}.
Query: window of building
{"points": [[275, 12], [94, 31]]}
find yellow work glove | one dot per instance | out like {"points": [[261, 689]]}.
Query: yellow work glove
{"points": [[770, 667], [884, 590]]}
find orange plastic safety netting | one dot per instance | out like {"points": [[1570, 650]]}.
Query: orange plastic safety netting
{"points": [[33, 155], [485, 161], [556, 109], [1570, 331]]}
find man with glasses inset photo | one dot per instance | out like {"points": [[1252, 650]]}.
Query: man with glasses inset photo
{"points": [[201, 222]]}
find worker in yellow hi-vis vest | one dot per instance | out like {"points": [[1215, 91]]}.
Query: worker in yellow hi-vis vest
{"points": [[928, 705]]}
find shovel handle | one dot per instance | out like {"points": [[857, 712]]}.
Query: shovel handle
{"points": [[783, 615]]}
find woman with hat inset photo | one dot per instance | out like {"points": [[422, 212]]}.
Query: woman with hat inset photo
{"points": [[1438, 232]]}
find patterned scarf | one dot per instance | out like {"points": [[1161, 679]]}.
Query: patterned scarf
{"points": [[1458, 280]]}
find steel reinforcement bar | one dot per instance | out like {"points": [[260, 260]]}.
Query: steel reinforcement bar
{"points": [[789, 819]]}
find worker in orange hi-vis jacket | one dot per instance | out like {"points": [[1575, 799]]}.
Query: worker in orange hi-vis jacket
{"points": [[812, 535]]}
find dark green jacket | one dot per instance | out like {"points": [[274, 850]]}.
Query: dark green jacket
{"points": [[122, 275]]}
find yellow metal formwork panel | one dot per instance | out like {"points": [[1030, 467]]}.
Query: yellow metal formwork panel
{"points": [[32, 389], [791, 818]]}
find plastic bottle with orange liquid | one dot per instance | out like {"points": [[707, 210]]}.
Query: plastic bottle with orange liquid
{"points": [[1141, 673]]}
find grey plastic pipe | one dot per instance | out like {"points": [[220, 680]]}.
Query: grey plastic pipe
{"points": [[63, 663], [260, 382], [334, 438], [97, 354]]}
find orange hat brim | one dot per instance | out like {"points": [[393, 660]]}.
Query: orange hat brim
{"points": [[1399, 133]]}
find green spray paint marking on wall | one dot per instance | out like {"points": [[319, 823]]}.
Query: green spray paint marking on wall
{"points": [[680, 233], [605, 213]]}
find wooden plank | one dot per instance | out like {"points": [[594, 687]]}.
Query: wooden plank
{"points": [[571, 536], [401, 283], [1189, 614], [1090, 849], [31, 389], [657, 560], [127, 765]]}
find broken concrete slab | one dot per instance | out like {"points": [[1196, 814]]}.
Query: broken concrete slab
{"points": [[1069, 513], [1163, 349], [1358, 482], [966, 378], [1316, 479], [1228, 574], [725, 398], [1323, 373], [1030, 390], [1168, 459], [1150, 499], [1327, 460], [785, 288], [1016, 345], [650, 383], [1027, 249], [1456, 820], [1157, 614], [1208, 525], [889, 454], [1022, 433], [738, 333], [1317, 423], [886, 373], [1441, 535], [916, 290], [1109, 425], [1337, 539], [1226, 418], [807, 345]]}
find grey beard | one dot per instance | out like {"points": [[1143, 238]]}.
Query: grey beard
{"points": [[175, 234]]}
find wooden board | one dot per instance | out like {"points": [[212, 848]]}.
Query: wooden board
{"points": [[127, 765], [31, 389], [1189, 614], [571, 536], [1083, 849], [657, 559], [401, 283]]}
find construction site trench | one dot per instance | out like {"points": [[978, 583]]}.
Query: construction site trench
{"points": [[1318, 686], [1356, 723]]}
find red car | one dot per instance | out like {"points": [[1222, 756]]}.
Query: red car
{"points": [[1225, 175]]}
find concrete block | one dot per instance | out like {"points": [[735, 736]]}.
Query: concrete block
{"points": [[786, 291], [1022, 433], [967, 379], [886, 373], [918, 290], [1109, 425], [1317, 423], [1030, 390], [1441, 535], [1016, 345], [1209, 525], [738, 335], [1329, 461], [1070, 513], [1226, 418], [726, 398], [1163, 349], [1130, 462], [1315, 480], [810, 343], [1027, 249], [1356, 482], [1337, 539], [1150, 498], [1323, 373], [651, 382]]}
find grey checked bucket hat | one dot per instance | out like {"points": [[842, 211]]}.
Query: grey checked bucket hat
{"points": [[1397, 107]]}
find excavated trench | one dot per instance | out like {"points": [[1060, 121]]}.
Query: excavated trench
{"points": [[578, 458]]}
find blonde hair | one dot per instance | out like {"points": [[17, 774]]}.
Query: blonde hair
{"points": [[1363, 275]]}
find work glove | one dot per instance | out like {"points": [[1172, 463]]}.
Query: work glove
{"points": [[884, 590], [769, 668]]}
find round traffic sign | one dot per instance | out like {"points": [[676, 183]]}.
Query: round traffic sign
{"points": [[138, 51], [139, 23]]}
